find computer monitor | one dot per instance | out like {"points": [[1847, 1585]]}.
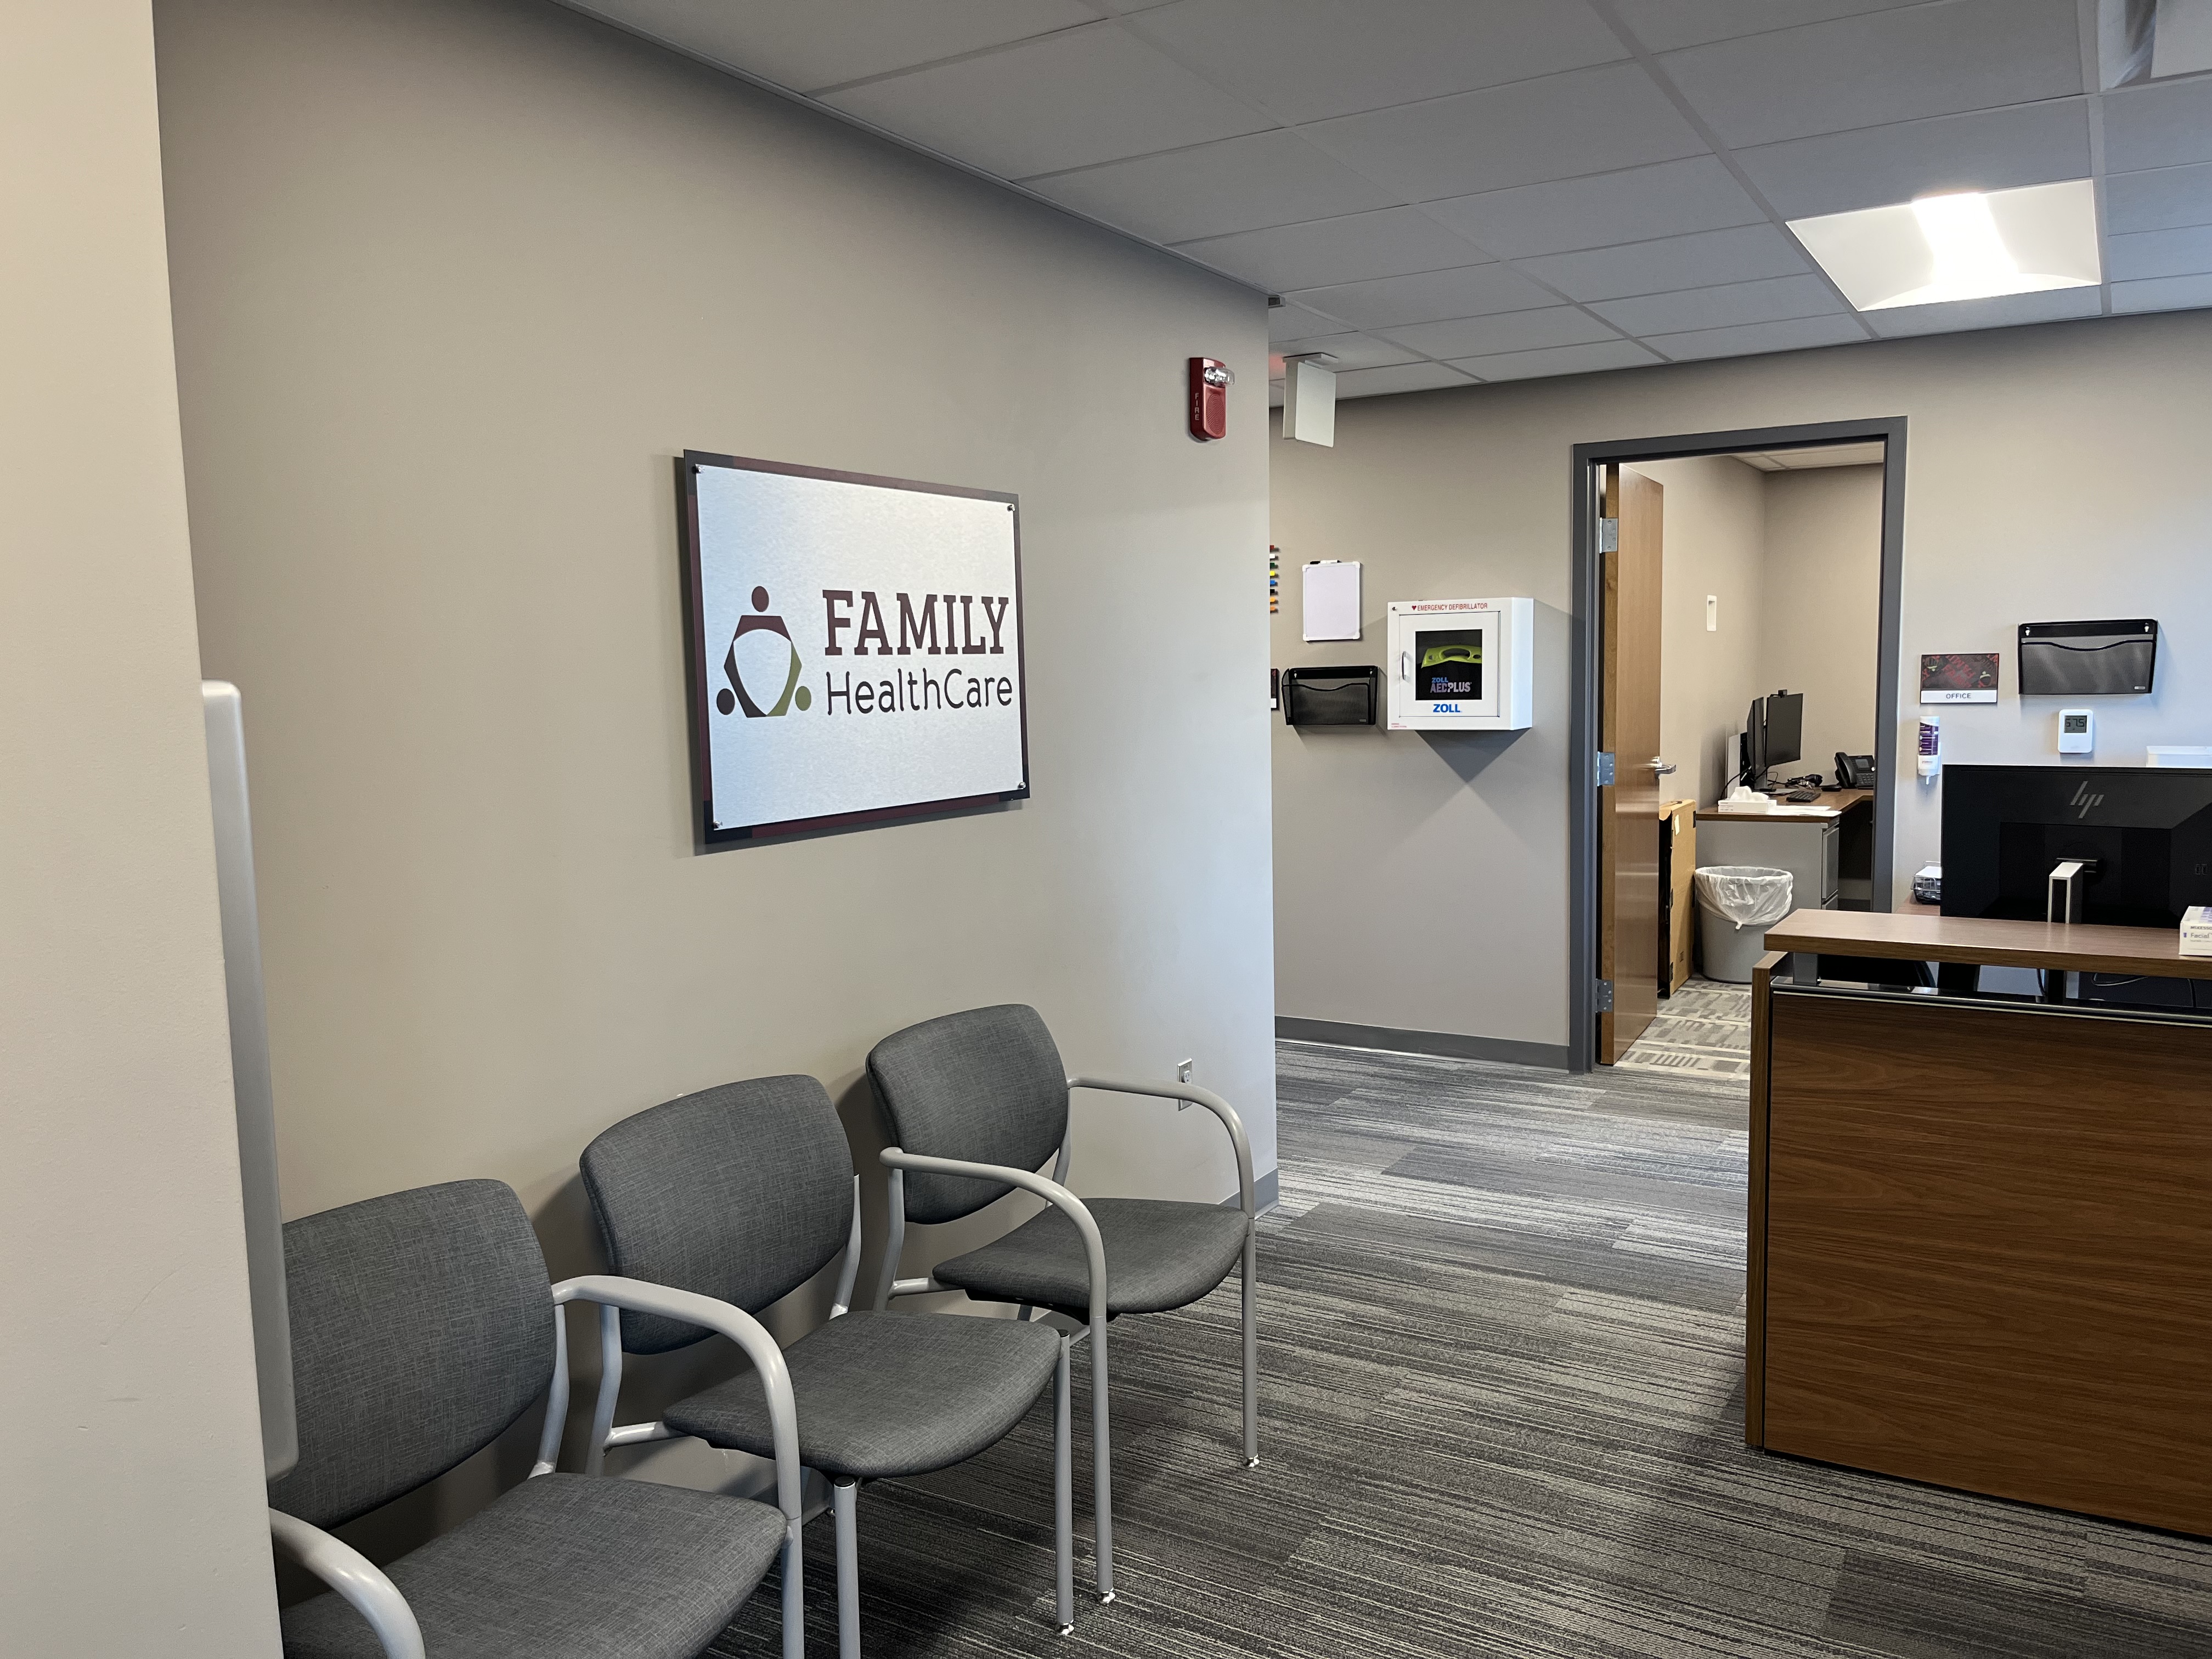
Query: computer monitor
{"points": [[1772, 733], [1785, 726], [2145, 832]]}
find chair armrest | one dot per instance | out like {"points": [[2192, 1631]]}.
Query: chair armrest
{"points": [[353, 1575], [1094, 1248], [1197, 1096], [609, 1291]]}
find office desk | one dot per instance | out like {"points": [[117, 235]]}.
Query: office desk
{"points": [[1981, 1227], [1827, 846]]}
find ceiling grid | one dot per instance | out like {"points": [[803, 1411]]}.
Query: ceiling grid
{"points": [[1446, 192]]}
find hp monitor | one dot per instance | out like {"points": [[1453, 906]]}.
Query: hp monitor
{"points": [[2144, 835]]}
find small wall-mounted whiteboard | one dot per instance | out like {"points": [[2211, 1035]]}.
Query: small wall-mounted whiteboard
{"points": [[1331, 599]]}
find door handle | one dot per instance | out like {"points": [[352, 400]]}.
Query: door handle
{"points": [[1659, 769]]}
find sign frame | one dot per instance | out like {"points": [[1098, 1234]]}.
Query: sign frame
{"points": [[698, 672]]}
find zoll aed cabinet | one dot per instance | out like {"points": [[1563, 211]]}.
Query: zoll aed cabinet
{"points": [[1460, 665]]}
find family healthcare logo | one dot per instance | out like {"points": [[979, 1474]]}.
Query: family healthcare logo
{"points": [[735, 695], [966, 617]]}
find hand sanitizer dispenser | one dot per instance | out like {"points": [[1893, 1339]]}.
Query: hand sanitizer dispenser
{"points": [[1462, 665]]}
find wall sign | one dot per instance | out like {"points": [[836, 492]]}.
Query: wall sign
{"points": [[855, 646], [1959, 676]]}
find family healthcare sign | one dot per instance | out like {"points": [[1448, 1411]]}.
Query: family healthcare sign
{"points": [[855, 646]]}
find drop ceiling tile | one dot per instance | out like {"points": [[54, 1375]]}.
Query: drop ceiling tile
{"points": [[1775, 300], [1746, 338], [1350, 351], [1742, 255], [1240, 183], [1063, 101], [2163, 200], [2159, 126], [1306, 60], [1995, 149], [2007, 311], [1472, 291], [1671, 197], [1513, 330], [1901, 64], [784, 40], [1665, 25], [2163, 293], [1591, 120], [2149, 253], [1560, 360], [1412, 377], [1290, 322], [1395, 242]]}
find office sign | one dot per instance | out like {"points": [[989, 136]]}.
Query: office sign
{"points": [[855, 646]]}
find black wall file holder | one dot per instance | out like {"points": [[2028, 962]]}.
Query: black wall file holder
{"points": [[2088, 659], [1331, 696]]}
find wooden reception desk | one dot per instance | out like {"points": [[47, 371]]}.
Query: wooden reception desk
{"points": [[1981, 1226]]}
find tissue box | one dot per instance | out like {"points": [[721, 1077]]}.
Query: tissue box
{"points": [[2197, 931]]}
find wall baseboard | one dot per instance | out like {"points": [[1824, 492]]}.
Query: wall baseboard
{"points": [[1450, 1045], [1266, 1192]]}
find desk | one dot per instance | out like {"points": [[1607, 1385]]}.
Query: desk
{"points": [[1981, 1227], [1827, 846]]}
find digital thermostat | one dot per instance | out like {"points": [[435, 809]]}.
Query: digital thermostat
{"points": [[2077, 731], [1460, 665]]}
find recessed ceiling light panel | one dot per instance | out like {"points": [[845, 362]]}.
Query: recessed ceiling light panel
{"points": [[1962, 245]]}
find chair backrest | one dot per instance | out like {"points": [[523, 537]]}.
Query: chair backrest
{"points": [[421, 1329], [742, 1193], [986, 1085]]}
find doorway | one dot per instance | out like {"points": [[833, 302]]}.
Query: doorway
{"points": [[1634, 803]]}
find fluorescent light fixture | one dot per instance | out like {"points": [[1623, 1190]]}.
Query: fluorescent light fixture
{"points": [[1962, 245]]}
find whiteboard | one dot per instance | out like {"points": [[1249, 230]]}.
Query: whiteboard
{"points": [[855, 646], [1330, 599]]}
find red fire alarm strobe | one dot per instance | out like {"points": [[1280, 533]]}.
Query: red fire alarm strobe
{"points": [[1210, 381]]}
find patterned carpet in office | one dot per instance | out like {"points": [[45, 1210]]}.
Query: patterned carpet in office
{"points": [[1501, 1340]]}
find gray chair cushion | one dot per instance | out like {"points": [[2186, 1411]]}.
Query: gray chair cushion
{"points": [[742, 1193], [1159, 1254], [986, 1085], [882, 1394], [422, 1328], [568, 1566]]}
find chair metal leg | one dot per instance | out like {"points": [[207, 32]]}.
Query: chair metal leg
{"points": [[794, 1581], [1251, 1351], [844, 1506], [1063, 1493], [1102, 1453]]}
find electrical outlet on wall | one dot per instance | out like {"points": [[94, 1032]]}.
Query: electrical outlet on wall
{"points": [[1183, 1075], [1712, 613]]}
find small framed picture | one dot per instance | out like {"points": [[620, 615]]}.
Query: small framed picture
{"points": [[1959, 676]]}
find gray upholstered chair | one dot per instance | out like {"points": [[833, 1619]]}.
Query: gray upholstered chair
{"points": [[978, 1101], [422, 1327], [745, 1193]]}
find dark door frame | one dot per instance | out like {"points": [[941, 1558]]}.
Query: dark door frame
{"points": [[1582, 745]]}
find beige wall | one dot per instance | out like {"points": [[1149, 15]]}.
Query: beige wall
{"points": [[1716, 544], [1820, 628], [456, 279], [131, 1518], [2051, 472]]}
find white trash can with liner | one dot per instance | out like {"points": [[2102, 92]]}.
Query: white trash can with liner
{"points": [[1737, 904]]}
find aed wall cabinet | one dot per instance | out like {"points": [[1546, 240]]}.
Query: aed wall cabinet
{"points": [[1462, 665]]}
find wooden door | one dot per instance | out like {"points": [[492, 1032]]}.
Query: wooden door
{"points": [[1628, 727]]}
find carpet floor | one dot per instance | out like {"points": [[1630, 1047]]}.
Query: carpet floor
{"points": [[1501, 1414]]}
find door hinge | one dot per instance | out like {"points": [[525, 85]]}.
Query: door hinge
{"points": [[1609, 535], [1605, 769], [1603, 1004]]}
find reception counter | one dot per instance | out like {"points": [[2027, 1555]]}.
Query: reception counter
{"points": [[1981, 1225]]}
